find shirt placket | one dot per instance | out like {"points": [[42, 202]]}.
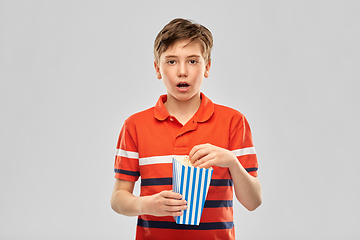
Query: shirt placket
{"points": [[182, 135]]}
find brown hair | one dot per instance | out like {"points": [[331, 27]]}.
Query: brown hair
{"points": [[179, 29]]}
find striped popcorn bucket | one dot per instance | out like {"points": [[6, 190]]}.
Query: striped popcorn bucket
{"points": [[193, 184]]}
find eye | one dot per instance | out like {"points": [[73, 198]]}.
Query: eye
{"points": [[171, 62], [193, 61]]}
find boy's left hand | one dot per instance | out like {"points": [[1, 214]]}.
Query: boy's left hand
{"points": [[207, 155]]}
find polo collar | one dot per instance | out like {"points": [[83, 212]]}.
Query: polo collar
{"points": [[203, 114]]}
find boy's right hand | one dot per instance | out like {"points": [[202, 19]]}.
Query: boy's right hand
{"points": [[165, 203]]}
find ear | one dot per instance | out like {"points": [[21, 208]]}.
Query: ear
{"points": [[207, 69], [157, 70]]}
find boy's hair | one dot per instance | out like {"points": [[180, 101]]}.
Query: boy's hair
{"points": [[179, 29]]}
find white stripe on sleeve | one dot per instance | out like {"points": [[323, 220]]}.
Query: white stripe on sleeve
{"points": [[127, 154], [244, 151]]}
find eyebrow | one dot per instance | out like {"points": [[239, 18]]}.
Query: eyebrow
{"points": [[191, 56]]}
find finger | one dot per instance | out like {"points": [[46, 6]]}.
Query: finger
{"points": [[173, 214], [197, 148], [175, 208], [207, 164], [204, 161], [200, 161], [175, 202], [200, 154], [194, 149], [170, 194], [172, 198]]}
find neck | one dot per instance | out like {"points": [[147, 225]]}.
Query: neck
{"points": [[183, 110]]}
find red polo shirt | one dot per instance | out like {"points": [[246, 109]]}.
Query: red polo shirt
{"points": [[150, 139]]}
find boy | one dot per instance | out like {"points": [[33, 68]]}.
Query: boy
{"points": [[184, 122]]}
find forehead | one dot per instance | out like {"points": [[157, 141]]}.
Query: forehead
{"points": [[183, 47]]}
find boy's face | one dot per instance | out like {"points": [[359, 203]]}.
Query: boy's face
{"points": [[182, 69]]}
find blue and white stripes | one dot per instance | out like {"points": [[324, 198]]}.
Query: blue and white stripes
{"points": [[193, 184]]}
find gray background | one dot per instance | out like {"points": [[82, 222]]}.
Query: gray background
{"points": [[72, 71]]}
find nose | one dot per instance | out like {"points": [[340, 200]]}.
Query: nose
{"points": [[182, 71]]}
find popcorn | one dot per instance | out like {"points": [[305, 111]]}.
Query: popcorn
{"points": [[193, 184], [184, 161]]}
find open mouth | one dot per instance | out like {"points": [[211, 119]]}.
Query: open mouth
{"points": [[182, 85]]}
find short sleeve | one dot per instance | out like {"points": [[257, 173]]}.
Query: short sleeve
{"points": [[126, 165], [241, 144]]}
